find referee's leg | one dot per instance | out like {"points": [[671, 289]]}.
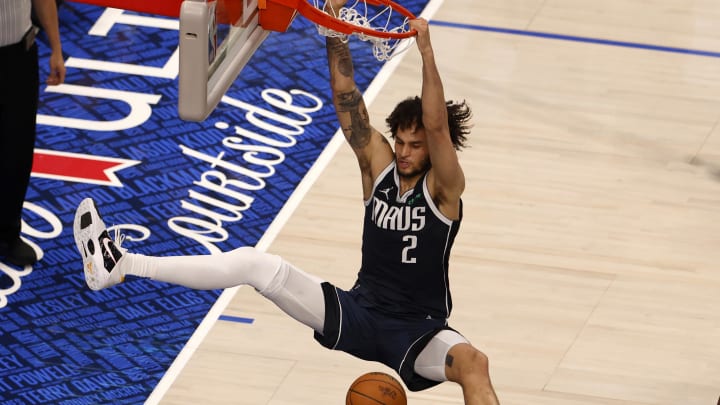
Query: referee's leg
{"points": [[18, 110]]}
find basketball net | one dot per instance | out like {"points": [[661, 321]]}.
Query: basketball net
{"points": [[382, 19]]}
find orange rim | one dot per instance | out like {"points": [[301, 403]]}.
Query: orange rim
{"points": [[318, 16]]}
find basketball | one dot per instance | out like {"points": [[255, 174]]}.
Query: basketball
{"points": [[376, 388]]}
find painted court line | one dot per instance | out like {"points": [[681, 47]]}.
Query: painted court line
{"points": [[237, 319], [573, 38]]}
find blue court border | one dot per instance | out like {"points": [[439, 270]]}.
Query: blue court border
{"points": [[237, 319], [599, 41]]}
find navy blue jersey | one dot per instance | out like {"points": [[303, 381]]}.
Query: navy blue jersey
{"points": [[405, 250]]}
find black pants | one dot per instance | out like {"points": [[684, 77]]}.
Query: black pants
{"points": [[19, 89]]}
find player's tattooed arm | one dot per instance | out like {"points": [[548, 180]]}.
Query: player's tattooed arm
{"points": [[349, 105], [357, 130], [340, 58]]}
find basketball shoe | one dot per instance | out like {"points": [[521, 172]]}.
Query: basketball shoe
{"points": [[101, 255]]}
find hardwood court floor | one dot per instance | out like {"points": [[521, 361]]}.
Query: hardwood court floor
{"points": [[587, 263]]}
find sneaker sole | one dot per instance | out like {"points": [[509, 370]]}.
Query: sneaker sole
{"points": [[87, 211]]}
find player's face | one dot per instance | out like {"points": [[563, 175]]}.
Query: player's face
{"points": [[411, 153]]}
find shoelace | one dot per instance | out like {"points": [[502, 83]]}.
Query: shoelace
{"points": [[118, 239]]}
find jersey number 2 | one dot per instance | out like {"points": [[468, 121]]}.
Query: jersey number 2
{"points": [[412, 244]]}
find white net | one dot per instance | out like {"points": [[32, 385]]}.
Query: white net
{"points": [[381, 19]]}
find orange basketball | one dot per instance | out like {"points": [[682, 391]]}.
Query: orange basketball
{"points": [[376, 389]]}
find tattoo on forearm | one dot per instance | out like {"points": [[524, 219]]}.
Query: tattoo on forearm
{"points": [[348, 101], [449, 360], [358, 134], [340, 57]]}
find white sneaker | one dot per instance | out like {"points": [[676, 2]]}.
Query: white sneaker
{"points": [[101, 255]]}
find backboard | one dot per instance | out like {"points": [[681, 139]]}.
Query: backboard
{"points": [[217, 39]]}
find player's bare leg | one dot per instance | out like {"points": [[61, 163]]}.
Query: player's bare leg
{"points": [[469, 367]]}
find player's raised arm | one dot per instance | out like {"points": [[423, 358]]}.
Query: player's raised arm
{"points": [[446, 179], [370, 146]]}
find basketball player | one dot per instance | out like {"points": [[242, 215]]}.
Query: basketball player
{"points": [[397, 311]]}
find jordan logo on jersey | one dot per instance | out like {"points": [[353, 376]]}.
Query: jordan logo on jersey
{"points": [[396, 218]]}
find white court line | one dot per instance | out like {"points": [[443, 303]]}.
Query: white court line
{"points": [[276, 226]]}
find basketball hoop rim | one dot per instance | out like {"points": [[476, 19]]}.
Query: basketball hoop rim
{"points": [[320, 17]]}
